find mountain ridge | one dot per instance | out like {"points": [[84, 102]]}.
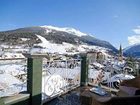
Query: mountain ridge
{"points": [[59, 36], [133, 50]]}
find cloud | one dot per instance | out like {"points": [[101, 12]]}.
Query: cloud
{"points": [[134, 39], [137, 30]]}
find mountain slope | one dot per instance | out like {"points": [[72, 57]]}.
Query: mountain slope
{"points": [[66, 29], [52, 34], [133, 50]]}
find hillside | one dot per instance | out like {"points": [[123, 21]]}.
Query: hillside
{"points": [[53, 34], [133, 50]]}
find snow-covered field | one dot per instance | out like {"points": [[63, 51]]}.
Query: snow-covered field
{"points": [[64, 48]]}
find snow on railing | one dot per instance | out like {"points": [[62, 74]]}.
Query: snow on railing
{"points": [[60, 76]]}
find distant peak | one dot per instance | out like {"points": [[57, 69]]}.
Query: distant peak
{"points": [[65, 29], [137, 44]]}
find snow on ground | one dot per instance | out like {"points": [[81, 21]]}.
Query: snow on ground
{"points": [[9, 79], [7, 87], [51, 47], [64, 48], [9, 55], [13, 69]]}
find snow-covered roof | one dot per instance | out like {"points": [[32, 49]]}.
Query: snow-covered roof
{"points": [[98, 64], [121, 77]]}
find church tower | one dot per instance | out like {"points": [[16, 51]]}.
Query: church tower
{"points": [[120, 56]]}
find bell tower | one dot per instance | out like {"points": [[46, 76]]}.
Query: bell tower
{"points": [[120, 55]]}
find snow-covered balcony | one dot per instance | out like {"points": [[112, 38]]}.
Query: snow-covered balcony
{"points": [[60, 82], [38, 75]]}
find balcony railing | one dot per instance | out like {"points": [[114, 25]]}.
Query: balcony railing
{"points": [[44, 79], [41, 78], [59, 77]]}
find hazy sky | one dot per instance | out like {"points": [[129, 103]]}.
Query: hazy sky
{"points": [[116, 21]]}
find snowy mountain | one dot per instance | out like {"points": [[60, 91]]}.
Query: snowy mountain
{"points": [[67, 29], [54, 35], [133, 50]]}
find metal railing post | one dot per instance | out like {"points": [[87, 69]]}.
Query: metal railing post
{"points": [[1, 101], [84, 70], [34, 79]]}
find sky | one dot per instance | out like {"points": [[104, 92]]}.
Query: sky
{"points": [[115, 21]]}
